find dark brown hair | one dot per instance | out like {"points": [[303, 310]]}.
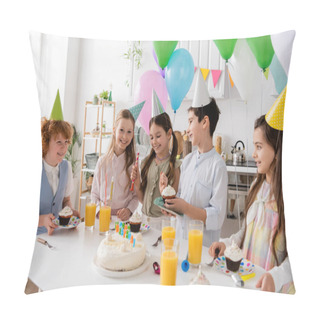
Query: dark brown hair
{"points": [[211, 110], [51, 128], [161, 120], [274, 139]]}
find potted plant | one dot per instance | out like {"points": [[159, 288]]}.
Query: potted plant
{"points": [[104, 95], [95, 99]]}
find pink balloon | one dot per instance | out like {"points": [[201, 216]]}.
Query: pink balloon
{"points": [[143, 92]]}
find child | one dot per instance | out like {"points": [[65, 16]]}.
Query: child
{"points": [[159, 160], [117, 163], [202, 193], [262, 236], [57, 178]]}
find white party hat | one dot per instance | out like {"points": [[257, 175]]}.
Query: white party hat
{"points": [[201, 95], [157, 107]]}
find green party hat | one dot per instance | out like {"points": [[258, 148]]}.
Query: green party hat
{"points": [[56, 113], [135, 110]]}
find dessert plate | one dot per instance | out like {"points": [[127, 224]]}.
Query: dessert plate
{"points": [[74, 221], [160, 203], [246, 266], [122, 274]]}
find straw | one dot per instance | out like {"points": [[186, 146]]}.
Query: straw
{"points": [[132, 184], [105, 193], [111, 189]]}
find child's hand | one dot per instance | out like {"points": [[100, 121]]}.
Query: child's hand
{"points": [[163, 181], [45, 220], [217, 249], [166, 213], [135, 175], [266, 283], [124, 214], [177, 205], [75, 213]]}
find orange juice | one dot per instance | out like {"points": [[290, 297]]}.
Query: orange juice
{"points": [[90, 215], [104, 219], [195, 246], [168, 267], [168, 233]]}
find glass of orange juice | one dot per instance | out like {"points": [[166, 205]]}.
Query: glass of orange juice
{"points": [[90, 214], [104, 219], [169, 262], [195, 236], [168, 228]]}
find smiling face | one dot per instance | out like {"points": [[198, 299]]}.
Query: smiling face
{"points": [[160, 140], [58, 146], [194, 129], [123, 135], [263, 154]]}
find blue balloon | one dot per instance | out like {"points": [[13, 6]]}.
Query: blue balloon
{"points": [[278, 73], [179, 76]]}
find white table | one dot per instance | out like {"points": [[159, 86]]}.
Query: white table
{"points": [[71, 263]]}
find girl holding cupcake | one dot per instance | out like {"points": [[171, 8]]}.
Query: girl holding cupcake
{"points": [[159, 160], [262, 236], [117, 164]]}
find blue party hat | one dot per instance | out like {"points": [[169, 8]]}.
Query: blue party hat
{"points": [[135, 110]]}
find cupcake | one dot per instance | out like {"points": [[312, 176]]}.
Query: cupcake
{"points": [[64, 216], [168, 193], [233, 255], [135, 222]]}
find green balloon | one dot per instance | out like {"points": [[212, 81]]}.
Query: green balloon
{"points": [[226, 47], [164, 50], [262, 49]]}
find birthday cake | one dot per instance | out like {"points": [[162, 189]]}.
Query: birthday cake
{"points": [[118, 253]]}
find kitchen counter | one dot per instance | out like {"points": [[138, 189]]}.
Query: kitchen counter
{"points": [[246, 167]]}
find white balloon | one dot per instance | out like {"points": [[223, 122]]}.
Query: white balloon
{"points": [[244, 69], [282, 45]]}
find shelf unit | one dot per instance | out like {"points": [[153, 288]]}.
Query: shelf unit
{"points": [[97, 140]]}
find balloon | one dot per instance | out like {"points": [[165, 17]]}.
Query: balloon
{"points": [[179, 76], [262, 49], [161, 71], [282, 45], [164, 50], [279, 75], [226, 47], [149, 81], [244, 70]]}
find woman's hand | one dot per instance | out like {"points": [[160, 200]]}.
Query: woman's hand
{"points": [[163, 181], [46, 220], [124, 214], [217, 249], [266, 283]]}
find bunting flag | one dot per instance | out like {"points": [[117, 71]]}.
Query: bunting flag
{"points": [[135, 110], [205, 73], [231, 81], [215, 76], [266, 73], [56, 113]]}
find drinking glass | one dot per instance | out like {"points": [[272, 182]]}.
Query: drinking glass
{"points": [[195, 236], [168, 228], [169, 262], [90, 214], [104, 219]]}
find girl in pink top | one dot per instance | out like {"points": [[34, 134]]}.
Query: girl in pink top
{"points": [[117, 163]]}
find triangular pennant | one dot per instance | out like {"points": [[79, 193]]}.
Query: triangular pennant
{"points": [[231, 81], [135, 110], [205, 73], [275, 115], [215, 76], [266, 73], [56, 113], [157, 107]]}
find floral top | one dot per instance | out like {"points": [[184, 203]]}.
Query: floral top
{"points": [[152, 189]]}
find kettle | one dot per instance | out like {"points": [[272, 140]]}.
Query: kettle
{"points": [[238, 155]]}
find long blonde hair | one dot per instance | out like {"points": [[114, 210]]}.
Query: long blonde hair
{"points": [[274, 139], [130, 152]]}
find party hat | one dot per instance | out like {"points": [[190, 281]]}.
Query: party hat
{"points": [[135, 110], [201, 95], [56, 113], [275, 115], [157, 107]]}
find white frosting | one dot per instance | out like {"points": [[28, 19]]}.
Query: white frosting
{"points": [[136, 217], [168, 192], [66, 212], [118, 254], [233, 252]]}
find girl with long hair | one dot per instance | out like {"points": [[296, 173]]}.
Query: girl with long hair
{"points": [[159, 160], [262, 236], [116, 164]]}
